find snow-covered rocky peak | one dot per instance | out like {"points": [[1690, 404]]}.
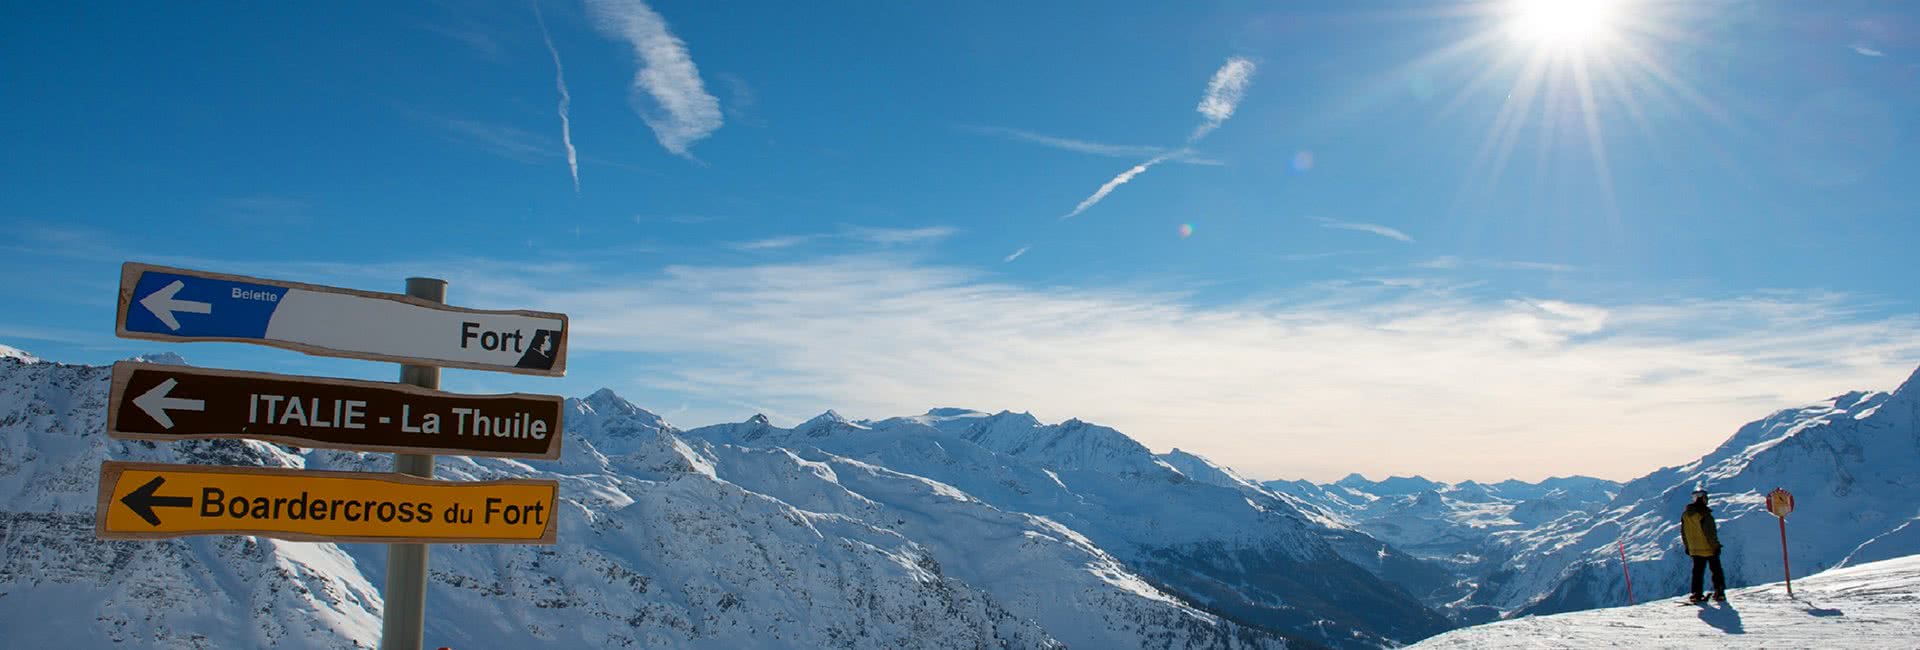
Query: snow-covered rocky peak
{"points": [[1470, 491], [607, 411], [162, 359], [1071, 445], [1391, 486], [1584, 489], [17, 354], [609, 424], [950, 412], [827, 424], [1909, 389], [946, 420], [1756, 436], [753, 430], [1198, 468]]}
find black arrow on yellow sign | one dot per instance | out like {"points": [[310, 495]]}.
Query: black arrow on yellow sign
{"points": [[142, 501]]}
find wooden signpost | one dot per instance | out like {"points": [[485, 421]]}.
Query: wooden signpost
{"points": [[406, 508], [156, 500], [153, 402]]}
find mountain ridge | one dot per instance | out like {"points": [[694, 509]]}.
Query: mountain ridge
{"points": [[667, 539]]}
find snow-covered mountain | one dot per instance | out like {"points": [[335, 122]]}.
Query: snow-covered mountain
{"points": [[1233, 549], [1450, 528], [952, 529], [1852, 463], [1866, 606], [1448, 522]]}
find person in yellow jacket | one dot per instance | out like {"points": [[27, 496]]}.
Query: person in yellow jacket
{"points": [[1703, 545]]}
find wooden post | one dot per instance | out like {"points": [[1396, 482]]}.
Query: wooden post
{"points": [[403, 622]]}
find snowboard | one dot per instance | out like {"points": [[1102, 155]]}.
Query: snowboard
{"points": [[1684, 602]]}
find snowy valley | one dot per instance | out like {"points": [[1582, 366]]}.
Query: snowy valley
{"points": [[1516, 550]]}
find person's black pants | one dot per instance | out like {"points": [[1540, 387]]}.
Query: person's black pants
{"points": [[1700, 564]]}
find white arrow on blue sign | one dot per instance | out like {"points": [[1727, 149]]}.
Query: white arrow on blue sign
{"points": [[168, 304]]}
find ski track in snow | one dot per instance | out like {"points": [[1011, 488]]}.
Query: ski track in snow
{"points": [[1873, 605]]}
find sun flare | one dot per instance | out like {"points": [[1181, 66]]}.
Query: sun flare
{"points": [[1560, 74], [1562, 24]]}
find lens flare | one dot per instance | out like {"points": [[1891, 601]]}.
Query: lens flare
{"points": [[1302, 161], [1186, 230]]}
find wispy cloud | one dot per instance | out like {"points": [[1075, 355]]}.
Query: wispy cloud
{"points": [[1374, 228], [891, 236], [775, 243], [1223, 95], [1224, 91], [1450, 262], [683, 219], [1016, 254], [740, 100], [505, 141], [1351, 377], [264, 210], [667, 77], [1096, 148], [1309, 257], [1863, 50], [858, 234], [566, 99], [471, 37]]}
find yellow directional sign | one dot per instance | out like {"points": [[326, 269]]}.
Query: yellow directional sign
{"points": [[153, 500]]}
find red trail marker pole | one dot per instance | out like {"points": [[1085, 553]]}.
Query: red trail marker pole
{"points": [[1783, 556], [1623, 569], [1780, 502]]}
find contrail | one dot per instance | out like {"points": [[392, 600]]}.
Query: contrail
{"points": [[566, 99], [1224, 91], [1117, 181]]}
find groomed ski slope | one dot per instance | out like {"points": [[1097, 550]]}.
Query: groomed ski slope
{"points": [[1873, 605]]}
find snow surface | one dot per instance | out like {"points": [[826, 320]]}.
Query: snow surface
{"points": [[1874, 605]]}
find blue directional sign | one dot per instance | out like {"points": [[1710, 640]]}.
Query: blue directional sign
{"points": [[168, 304], [167, 301]]}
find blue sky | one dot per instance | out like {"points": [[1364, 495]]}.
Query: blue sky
{"points": [[1378, 237]]}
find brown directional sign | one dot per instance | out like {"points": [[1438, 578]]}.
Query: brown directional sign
{"points": [[153, 500], [156, 402]]}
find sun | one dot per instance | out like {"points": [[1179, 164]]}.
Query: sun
{"points": [[1559, 74], [1563, 24]]}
